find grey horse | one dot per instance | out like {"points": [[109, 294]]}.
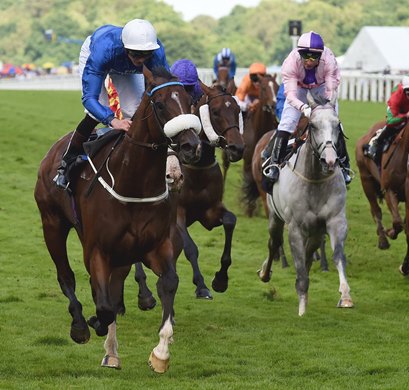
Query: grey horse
{"points": [[310, 198]]}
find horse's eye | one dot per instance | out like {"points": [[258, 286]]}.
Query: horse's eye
{"points": [[159, 105], [215, 113]]}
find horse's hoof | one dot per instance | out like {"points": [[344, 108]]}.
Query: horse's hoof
{"points": [[94, 323], [218, 284], [402, 271], [80, 335], [111, 362], [384, 244], [345, 303], [147, 303], [203, 293], [263, 276], [158, 365]]}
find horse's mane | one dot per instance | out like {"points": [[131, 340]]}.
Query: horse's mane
{"points": [[321, 100], [161, 71]]}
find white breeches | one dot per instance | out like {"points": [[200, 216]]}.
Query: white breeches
{"points": [[291, 116], [130, 87]]}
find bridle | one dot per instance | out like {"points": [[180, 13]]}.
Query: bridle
{"points": [[155, 146], [222, 142]]}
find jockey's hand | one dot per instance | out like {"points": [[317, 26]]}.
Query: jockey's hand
{"points": [[253, 105], [121, 124], [306, 110]]}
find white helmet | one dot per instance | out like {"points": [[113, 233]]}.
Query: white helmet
{"points": [[226, 52], [139, 34], [405, 82]]}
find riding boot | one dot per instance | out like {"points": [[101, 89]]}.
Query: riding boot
{"points": [[343, 157], [374, 146], [79, 136], [271, 171]]}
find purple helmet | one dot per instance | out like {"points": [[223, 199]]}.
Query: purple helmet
{"points": [[186, 71], [311, 41]]}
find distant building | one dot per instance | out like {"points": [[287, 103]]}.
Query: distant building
{"points": [[379, 49]]}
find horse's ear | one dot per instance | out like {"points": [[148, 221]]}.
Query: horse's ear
{"points": [[204, 87], [148, 75], [311, 102], [333, 100]]}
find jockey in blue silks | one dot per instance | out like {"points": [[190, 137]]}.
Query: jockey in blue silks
{"points": [[225, 58], [120, 53], [186, 71]]}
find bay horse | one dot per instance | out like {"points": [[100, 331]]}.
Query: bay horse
{"points": [[224, 80], [125, 219], [388, 180], [310, 197], [256, 124], [201, 196]]}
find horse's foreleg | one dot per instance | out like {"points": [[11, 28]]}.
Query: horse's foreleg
{"points": [[393, 203], [298, 245], [337, 230], [371, 190], [192, 255], [146, 300], [323, 255], [100, 278], [55, 235], [167, 286], [116, 293], [221, 278], [275, 242], [111, 358]]}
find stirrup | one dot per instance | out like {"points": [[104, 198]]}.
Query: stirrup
{"points": [[348, 175], [61, 180]]}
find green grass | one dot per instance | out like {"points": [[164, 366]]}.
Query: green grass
{"points": [[247, 338]]}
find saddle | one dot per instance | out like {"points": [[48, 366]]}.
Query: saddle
{"points": [[91, 147]]}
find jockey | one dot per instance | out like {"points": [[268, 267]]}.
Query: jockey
{"points": [[225, 58], [397, 114], [186, 71], [311, 66], [120, 53], [249, 88]]}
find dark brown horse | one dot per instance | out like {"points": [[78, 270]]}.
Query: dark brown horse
{"points": [[127, 218], [201, 196], [384, 181], [256, 124]]}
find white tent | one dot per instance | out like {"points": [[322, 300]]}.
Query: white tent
{"points": [[379, 49]]}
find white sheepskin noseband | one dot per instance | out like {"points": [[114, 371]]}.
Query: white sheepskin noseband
{"points": [[180, 123], [207, 124]]}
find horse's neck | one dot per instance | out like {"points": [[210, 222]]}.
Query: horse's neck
{"points": [[307, 164], [263, 121], [136, 161]]}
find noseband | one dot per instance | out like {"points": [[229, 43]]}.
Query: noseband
{"points": [[221, 142]]}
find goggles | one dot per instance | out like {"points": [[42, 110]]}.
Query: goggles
{"points": [[139, 53], [308, 55], [254, 77]]}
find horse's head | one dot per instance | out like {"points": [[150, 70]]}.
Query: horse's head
{"points": [[166, 107], [223, 76], [324, 130], [268, 92], [222, 120]]}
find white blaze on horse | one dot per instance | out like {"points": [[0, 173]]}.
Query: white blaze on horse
{"points": [[310, 198]]}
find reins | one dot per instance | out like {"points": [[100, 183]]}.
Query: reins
{"points": [[128, 138]]}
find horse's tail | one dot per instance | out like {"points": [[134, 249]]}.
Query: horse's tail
{"points": [[250, 194]]}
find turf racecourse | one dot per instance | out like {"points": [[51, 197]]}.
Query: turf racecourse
{"points": [[247, 338]]}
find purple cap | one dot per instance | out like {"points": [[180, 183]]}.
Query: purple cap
{"points": [[311, 41], [186, 71]]}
